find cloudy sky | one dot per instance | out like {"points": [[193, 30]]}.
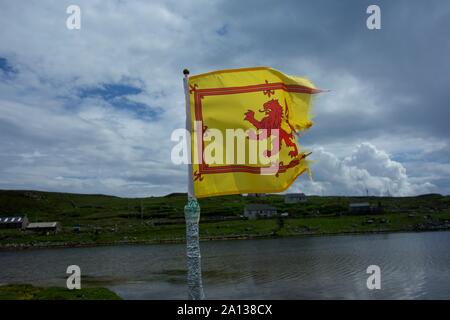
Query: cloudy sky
{"points": [[92, 110]]}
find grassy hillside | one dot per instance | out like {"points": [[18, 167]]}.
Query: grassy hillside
{"points": [[29, 292], [107, 219]]}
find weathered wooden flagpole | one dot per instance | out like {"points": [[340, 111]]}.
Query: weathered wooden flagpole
{"points": [[192, 216]]}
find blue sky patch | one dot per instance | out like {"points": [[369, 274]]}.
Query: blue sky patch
{"points": [[142, 110], [110, 91], [223, 31], [116, 95], [5, 66]]}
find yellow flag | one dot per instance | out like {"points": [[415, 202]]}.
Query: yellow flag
{"points": [[244, 125]]}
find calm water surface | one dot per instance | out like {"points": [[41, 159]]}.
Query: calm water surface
{"points": [[413, 266]]}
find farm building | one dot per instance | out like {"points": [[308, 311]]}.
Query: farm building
{"points": [[255, 211], [256, 195], [44, 227], [13, 222], [364, 208], [294, 198]]}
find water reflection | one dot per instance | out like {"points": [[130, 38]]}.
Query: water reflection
{"points": [[413, 265]]}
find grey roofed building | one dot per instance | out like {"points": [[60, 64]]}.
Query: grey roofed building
{"points": [[16, 222], [44, 226], [259, 210], [359, 208], [364, 208], [360, 205], [256, 195], [294, 197]]}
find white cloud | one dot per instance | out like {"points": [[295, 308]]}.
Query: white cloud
{"points": [[366, 168], [95, 148]]}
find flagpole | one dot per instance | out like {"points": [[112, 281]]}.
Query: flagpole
{"points": [[192, 215]]}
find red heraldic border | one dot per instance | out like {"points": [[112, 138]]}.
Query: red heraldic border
{"points": [[267, 89]]}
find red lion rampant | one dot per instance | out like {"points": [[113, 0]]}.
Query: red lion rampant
{"points": [[272, 120]]}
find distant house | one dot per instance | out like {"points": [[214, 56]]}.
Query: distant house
{"points": [[256, 195], [294, 198], [44, 227], [364, 208], [13, 222], [256, 210]]}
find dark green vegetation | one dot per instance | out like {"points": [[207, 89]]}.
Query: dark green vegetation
{"points": [[112, 220], [29, 292]]}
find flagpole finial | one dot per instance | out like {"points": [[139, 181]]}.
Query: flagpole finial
{"points": [[186, 72]]}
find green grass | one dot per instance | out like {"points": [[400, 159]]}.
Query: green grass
{"points": [[29, 292], [113, 220]]}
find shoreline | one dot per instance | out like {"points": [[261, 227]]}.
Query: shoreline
{"points": [[18, 247]]}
